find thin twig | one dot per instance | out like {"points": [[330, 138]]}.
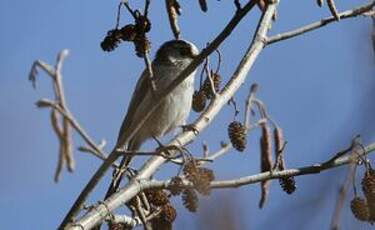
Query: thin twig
{"points": [[94, 217], [252, 179], [323, 22], [99, 153], [155, 162]]}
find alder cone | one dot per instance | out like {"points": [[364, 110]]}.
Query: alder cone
{"points": [[117, 226], [168, 213], [190, 200], [176, 186], [360, 209], [237, 135], [288, 184], [368, 187], [207, 89], [199, 101], [111, 41], [157, 197]]}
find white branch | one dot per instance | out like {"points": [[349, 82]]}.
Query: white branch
{"points": [[96, 216]]}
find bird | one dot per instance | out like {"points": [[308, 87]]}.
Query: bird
{"points": [[170, 60]]}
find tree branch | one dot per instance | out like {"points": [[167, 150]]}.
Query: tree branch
{"points": [[97, 215], [252, 179], [323, 22], [151, 167]]}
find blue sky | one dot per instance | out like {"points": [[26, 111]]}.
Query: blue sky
{"points": [[318, 87]]}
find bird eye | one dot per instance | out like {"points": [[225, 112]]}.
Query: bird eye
{"points": [[186, 52]]}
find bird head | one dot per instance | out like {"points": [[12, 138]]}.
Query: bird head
{"points": [[177, 52]]}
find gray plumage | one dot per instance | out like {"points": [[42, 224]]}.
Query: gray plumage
{"points": [[171, 58]]}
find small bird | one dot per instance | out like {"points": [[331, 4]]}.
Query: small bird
{"points": [[171, 58]]}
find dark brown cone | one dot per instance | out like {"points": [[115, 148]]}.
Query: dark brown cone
{"points": [[202, 181], [176, 186], [288, 184], [160, 224], [117, 226], [359, 209], [128, 33], [190, 199], [142, 24], [199, 176], [168, 213], [190, 169], [368, 187], [206, 87], [157, 197], [199, 101], [237, 135], [142, 45], [111, 41]]}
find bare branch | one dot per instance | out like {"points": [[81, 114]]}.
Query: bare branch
{"points": [[246, 180], [156, 162], [99, 153], [316, 25], [94, 217]]}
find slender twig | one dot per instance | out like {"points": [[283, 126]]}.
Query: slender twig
{"points": [[156, 162], [332, 8], [246, 180], [147, 7], [141, 213], [323, 22], [94, 217], [99, 153]]}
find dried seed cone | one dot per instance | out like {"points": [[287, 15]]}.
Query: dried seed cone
{"points": [[206, 87], [117, 226], [190, 169], [111, 41], [142, 45], [199, 101], [368, 187], [359, 209], [237, 135], [199, 176], [190, 199], [157, 197], [160, 224], [128, 32], [168, 213], [202, 181], [288, 184], [176, 186]]}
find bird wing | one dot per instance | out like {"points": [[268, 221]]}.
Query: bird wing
{"points": [[139, 94]]}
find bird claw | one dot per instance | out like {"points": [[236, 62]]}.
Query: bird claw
{"points": [[190, 127]]}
